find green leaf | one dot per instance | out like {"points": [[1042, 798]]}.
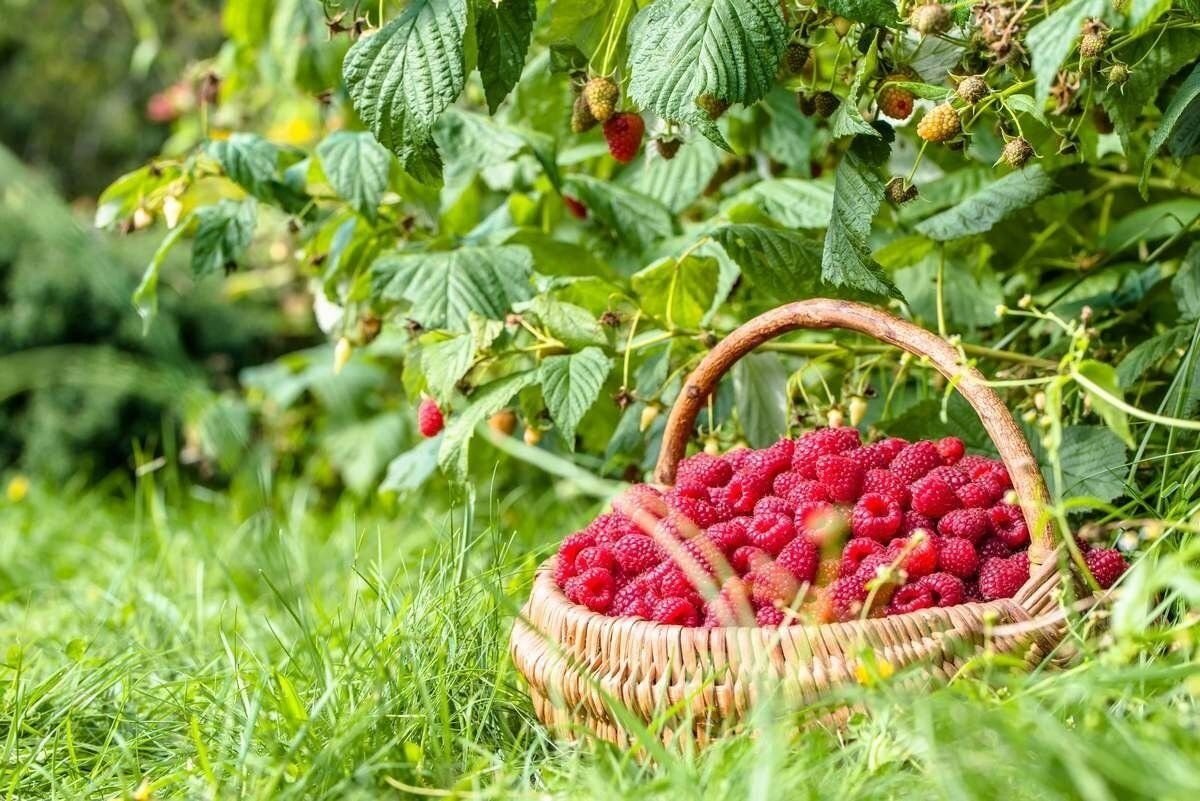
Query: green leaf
{"points": [[785, 265], [587, 23], [678, 293], [679, 182], [145, 296], [1182, 119], [248, 159], [792, 202], [223, 232], [444, 362], [1051, 40], [682, 49], [1149, 353], [846, 260], [760, 388], [1151, 224], [1093, 462], [357, 169], [571, 325], [880, 13], [923, 420], [1186, 284], [403, 77], [361, 450], [502, 30], [1157, 58], [489, 399], [1105, 377], [1025, 104], [570, 384], [789, 137], [411, 469], [637, 220], [982, 210], [444, 287]]}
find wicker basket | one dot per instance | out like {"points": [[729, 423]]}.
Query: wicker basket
{"points": [[581, 665]]}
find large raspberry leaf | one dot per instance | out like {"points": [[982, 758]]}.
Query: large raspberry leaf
{"points": [[682, 49], [980, 211], [503, 31], [570, 384], [487, 400], [1052, 39], [356, 166], [846, 260]]}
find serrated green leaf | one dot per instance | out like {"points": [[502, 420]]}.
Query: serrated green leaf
{"points": [[633, 217], [789, 137], [881, 13], [1051, 40], [1149, 353], [785, 265], [357, 168], [571, 325], [587, 23], [404, 76], [679, 182], [682, 49], [760, 389], [223, 232], [1182, 116], [1093, 462], [445, 362], [248, 160], [411, 469], [570, 384], [792, 202], [360, 450], [1105, 377], [1152, 223], [1025, 104], [1157, 58], [846, 260], [679, 293], [982, 210], [1186, 284], [502, 30], [444, 287], [487, 400]]}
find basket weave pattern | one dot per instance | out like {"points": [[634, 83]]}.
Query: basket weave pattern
{"points": [[575, 660]]}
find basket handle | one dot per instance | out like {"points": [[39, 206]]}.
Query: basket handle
{"points": [[822, 313]]}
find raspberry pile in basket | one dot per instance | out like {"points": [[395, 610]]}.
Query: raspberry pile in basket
{"points": [[819, 528]]}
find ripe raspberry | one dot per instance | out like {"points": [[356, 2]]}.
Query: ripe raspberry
{"points": [[940, 124], [891, 447], [910, 598], [771, 462], [732, 606], [950, 474], [974, 495], [1002, 578], [745, 559], [623, 132], [971, 462], [600, 556], [971, 593], [771, 532], [876, 516], [581, 116], [1106, 566], [1017, 152], [741, 493], [699, 512], [593, 588], [875, 456], [855, 553], [773, 504], [915, 521], [899, 191], [922, 558], [822, 523], [915, 460], [675, 612], [992, 548], [1008, 525], [673, 582], [430, 421], [575, 207], [790, 480], [771, 584], [843, 599], [894, 101], [807, 493], [972, 89], [957, 557], [932, 496], [608, 528], [794, 58], [711, 105], [738, 457], [826, 103], [930, 19], [801, 558], [600, 95], [971, 525], [667, 147], [636, 598], [703, 471], [637, 553], [841, 477], [806, 104], [730, 535], [822, 442], [951, 449], [769, 617], [886, 483], [947, 590], [568, 550]]}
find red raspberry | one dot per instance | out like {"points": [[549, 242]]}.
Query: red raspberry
{"points": [[1008, 524], [801, 557], [843, 599], [771, 583], [915, 521], [885, 482], [951, 449], [991, 548], [922, 558], [772, 461], [806, 492], [744, 559], [877, 566], [575, 206], [732, 605], [429, 418], [738, 457], [610, 527], [623, 131], [892, 447], [695, 510], [957, 557], [916, 460], [639, 502], [1002, 578], [771, 531], [855, 552], [933, 497], [974, 495], [675, 612], [788, 481], [969, 462], [821, 522], [600, 556], [730, 535], [971, 592], [910, 598], [568, 550], [969, 524], [636, 598], [592, 588], [637, 553], [841, 477], [950, 474], [703, 471], [875, 456], [700, 553], [876, 516], [821, 442], [946, 590], [774, 505], [741, 493], [1106, 565], [674, 583], [769, 617]]}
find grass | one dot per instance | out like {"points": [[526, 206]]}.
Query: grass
{"points": [[172, 644]]}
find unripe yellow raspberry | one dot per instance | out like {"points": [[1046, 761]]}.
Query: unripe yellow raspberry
{"points": [[940, 124]]}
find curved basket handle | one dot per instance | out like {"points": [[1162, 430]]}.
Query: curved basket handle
{"points": [[821, 313]]}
